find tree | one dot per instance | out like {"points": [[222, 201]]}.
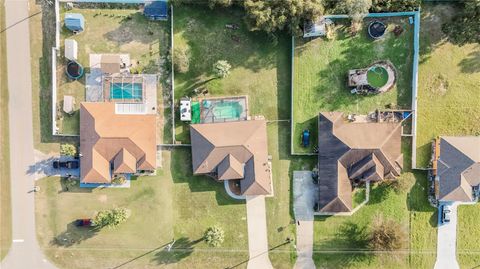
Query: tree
{"points": [[119, 179], [465, 27], [214, 236], [181, 57], [386, 234], [110, 218], [221, 68], [68, 150], [394, 5], [278, 15], [211, 3], [357, 10]]}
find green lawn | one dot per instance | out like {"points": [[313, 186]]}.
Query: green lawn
{"points": [[448, 92], [468, 249], [343, 234], [5, 211], [260, 68], [320, 74]]}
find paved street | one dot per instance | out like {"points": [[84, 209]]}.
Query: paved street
{"points": [[24, 252], [447, 241], [257, 233]]}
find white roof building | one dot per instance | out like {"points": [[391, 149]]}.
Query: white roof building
{"points": [[71, 49]]}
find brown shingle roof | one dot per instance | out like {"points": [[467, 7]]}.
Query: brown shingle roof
{"points": [[353, 151], [229, 150], [110, 63], [129, 141], [458, 167]]}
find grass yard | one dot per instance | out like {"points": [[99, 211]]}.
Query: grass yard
{"points": [[5, 203], [110, 31], [334, 235], [468, 250], [260, 67], [320, 74], [448, 92], [173, 204]]}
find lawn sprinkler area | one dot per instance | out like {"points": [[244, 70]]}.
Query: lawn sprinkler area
{"points": [[322, 69]]}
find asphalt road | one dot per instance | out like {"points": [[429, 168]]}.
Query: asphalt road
{"points": [[24, 252]]}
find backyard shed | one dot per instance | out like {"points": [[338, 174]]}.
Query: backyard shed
{"points": [[71, 49], [110, 63], [68, 104], [185, 109], [75, 22], [156, 10]]}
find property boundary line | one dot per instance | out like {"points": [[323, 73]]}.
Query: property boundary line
{"points": [[173, 75], [55, 50], [416, 45]]}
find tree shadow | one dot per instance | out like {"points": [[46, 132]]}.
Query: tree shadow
{"points": [[66, 187], [379, 193], [182, 172], [73, 235], [140, 256], [181, 249], [349, 237], [129, 30], [44, 166], [472, 63]]}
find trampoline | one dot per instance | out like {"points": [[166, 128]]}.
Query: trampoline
{"points": [[376, 29], [195, 108], [74, 70]]}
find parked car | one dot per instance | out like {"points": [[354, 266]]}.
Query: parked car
{"points": [[83, 222], [68, 164], [446, 213], [306, 138]]}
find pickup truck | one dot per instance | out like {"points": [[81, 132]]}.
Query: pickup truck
{"points": [[68, 164]]}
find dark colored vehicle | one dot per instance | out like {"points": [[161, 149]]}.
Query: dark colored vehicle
{"points": [[446, 213], [67, 164], [306, 138], [83, 222]]}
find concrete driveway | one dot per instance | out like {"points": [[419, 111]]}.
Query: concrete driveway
{"points": [[257, 233], [304, 196], [447, 240]]}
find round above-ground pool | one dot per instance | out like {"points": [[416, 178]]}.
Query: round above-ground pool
{"points": [[74, 70], [376, 29], [377, 76]]}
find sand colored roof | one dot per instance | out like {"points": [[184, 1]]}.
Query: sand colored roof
{"points": [[357, 152], [127, 141], [110, 63], [458, 167], [233, 150]]}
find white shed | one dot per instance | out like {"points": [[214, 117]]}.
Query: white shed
{"points": [[71, 49], [68, 104]]}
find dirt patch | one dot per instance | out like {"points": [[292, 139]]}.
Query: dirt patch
{"points": [[103, 198], [439, 85]]}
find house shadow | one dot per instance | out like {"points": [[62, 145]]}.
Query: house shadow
{"points": [[73, 235], [181, 170], [43, 166], [181, 249], [417, 200]]}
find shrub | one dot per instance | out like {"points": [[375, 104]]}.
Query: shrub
{"points": [[386, 234], [221, 68], [182, 59], [110, 218], [119, 179], [214, 236], [68, 150]]}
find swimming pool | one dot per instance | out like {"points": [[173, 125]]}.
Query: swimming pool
{"points": [[222, 110], [126, 91]]}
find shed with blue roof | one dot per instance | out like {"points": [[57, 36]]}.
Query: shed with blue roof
{"points": [[74, 22], [156, 10]]}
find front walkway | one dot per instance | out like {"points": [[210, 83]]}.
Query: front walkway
{"points": [[447, 240], [304, 196], [257, 233]]}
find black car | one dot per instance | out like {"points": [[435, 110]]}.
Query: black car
{"points": [[83, 222], [67, 164]]}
